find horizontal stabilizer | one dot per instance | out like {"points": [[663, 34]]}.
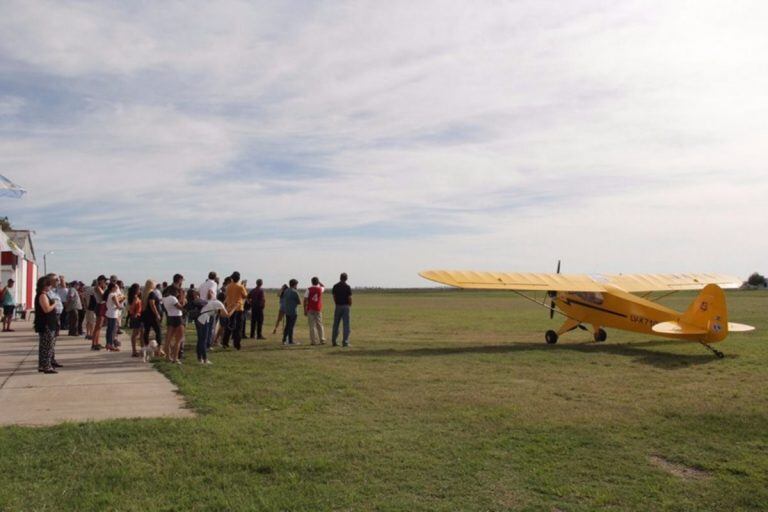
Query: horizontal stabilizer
{"points": [[732, 327], [678, 328]]}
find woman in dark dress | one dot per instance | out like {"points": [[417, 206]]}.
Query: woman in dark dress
{"points": [[45, 325]]}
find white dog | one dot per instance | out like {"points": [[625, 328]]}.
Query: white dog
{"points": [[148, 351]]}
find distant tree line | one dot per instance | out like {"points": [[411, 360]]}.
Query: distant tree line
{"points": [[756, 280]]}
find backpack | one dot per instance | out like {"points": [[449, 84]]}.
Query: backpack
{"points": [[194, 308]]}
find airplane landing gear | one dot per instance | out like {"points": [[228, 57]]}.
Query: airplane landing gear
{"points": [[551, 337], [601, 335], [717, 353]]}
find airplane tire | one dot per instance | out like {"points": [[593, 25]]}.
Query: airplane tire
{"points": [[551, 337], [601, 335]]}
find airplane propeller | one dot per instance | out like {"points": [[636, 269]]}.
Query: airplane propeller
{"points": [[552, 296]]}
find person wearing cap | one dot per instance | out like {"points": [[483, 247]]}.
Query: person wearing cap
{"points": [[9, 305]]}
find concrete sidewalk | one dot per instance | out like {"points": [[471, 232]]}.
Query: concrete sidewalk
{"points": [[90, 386]]}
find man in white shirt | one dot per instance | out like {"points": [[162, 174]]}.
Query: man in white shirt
{"points": [[210, 287], [208, 291]]}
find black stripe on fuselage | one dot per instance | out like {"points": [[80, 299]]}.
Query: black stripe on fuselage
{"points": [[592, 306]]}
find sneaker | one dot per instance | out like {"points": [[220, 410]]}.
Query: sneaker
{"points": [[96, 347], [208, 362], [345, 344]]}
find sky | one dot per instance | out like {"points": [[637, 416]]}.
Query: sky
{"points": [[295, 138]]}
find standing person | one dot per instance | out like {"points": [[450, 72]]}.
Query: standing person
{"points": [[173, 301], [62, 291], [204, 325], [210, 287], [223, 321], [72, 306], [114, 302], [291, 303], [83, 303], [58, 307], [182, 296], [281, 312], [246, 308], [45, 325], [208, 291], [342, 298], [313, 310], [134, 317], [101, 311], [235, 303], [258, 301], [90, 314], [150, 314], [9, 305]]}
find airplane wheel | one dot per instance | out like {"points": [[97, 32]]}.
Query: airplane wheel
{"points": [[601, 335], [551, 337]]}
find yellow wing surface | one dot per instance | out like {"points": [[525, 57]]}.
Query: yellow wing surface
{"points": [[513, 281], [632, 283], [638, 283]]}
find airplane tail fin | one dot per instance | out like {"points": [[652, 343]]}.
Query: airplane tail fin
{"points": [[706, 318], [709, 313]]}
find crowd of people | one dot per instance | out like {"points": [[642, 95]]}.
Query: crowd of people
{"points": [[219, 311]]}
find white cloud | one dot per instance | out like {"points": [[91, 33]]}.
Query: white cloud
{"points": [[510, 134]]}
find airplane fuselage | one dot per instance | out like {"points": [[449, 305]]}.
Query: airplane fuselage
{"points": [[616, 309]]}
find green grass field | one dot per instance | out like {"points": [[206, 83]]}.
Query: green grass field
{"points": [[446, 401]]}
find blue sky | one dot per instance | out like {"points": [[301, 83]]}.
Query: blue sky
{"points": [[291, 139]]}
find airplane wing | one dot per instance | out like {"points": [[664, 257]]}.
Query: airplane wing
{"points": [[514, 281], [638, 283]]}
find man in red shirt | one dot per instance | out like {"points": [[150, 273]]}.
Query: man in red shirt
{"points": [[313, 307]]}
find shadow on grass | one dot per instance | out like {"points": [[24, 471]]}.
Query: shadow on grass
{"points": [[638, 351]]}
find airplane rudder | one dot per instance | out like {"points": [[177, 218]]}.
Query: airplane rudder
{"points": [[709, 311]]}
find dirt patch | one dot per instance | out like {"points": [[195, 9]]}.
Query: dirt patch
{"points": [[678, 470]]}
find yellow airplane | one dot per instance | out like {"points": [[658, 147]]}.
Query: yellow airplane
{"points": [[609, 300]]}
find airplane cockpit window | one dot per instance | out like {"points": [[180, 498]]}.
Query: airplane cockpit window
{"points": [[591, 297]]}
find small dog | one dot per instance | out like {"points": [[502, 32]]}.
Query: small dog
{"points": [[148, 351]]}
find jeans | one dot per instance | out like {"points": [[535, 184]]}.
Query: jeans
{"points": [[341, 314], [290, 323], [257, 321], [209, 328], [111, 331], [235, 330], [202, 338]]}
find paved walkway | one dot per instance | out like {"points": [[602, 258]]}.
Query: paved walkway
{"points": [[91, 385]]}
